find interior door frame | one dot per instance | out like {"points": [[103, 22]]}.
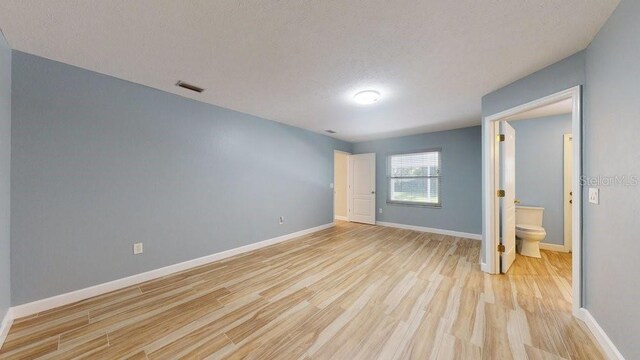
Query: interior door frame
{"points": [[491, 177], [566, 197], [346, 218]]}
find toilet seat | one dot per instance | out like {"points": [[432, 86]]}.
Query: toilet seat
{"points": [[530, 229]]}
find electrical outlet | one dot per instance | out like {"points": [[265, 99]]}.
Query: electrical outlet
{"points": [[594, 196], [137, 248], [380, 211], [281, 220]]}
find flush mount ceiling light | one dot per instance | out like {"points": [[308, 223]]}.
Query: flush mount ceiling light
{"points": [[367, 97]]}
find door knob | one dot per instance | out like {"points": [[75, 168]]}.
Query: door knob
{"points": [[516, 201], [373, 192]]}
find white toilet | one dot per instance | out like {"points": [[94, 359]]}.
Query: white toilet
{"points": [[529, 229]]}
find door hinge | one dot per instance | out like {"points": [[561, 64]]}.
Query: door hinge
{"points": [[500, 193], [501, 248], [500, 137]]}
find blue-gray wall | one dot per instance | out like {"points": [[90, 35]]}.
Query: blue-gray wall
{"points": [[539, 169], [460, 187], [611, 147], [5, 177], [99, 164], [562, 75]]}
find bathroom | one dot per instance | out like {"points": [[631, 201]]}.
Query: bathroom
{"points": [[541, 181], [536, 165]]}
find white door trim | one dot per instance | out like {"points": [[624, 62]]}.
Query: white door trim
{"points": [[336, 217], [490, 179], [567, 191]]}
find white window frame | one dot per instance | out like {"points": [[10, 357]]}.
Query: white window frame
{"points": [[438, 177]]}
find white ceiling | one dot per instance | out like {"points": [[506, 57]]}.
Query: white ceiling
{"points": [[300, 62], [558, 108]]}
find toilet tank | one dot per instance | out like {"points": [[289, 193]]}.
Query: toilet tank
{"points": [[530, 215]]}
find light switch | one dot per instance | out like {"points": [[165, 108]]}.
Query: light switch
{"points": [[594, 196]]}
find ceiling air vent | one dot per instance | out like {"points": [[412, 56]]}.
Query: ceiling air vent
{"points": [[330, 131], [188, 86]]}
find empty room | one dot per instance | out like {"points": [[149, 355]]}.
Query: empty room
{"points": [[319, 179]]}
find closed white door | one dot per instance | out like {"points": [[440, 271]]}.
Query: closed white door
{"points": [[508, 184], [362, 188]]}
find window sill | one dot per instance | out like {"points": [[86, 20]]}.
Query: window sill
{"points": [[413, 204]]}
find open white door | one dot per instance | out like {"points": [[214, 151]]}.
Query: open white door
{"points": [[507, 206], [568, 192], [362, 188]]}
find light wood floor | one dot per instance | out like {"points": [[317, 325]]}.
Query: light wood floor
{"points": [[350, 292]]}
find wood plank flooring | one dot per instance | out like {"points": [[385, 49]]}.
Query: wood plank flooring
{"points": [[349, 292]]}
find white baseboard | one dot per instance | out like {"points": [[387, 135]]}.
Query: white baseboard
{"points": [[431, 230], [610, 350], [5, 326], [338, 217], [553, 247], [77, 295]]}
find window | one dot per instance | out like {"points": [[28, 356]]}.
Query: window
{"points": [[414, 178]]}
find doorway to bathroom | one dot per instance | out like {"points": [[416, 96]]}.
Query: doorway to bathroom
{"points": [[542, 156], [532, 202]]}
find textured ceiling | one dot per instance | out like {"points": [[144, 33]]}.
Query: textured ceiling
{"points": [[299, 62]]}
